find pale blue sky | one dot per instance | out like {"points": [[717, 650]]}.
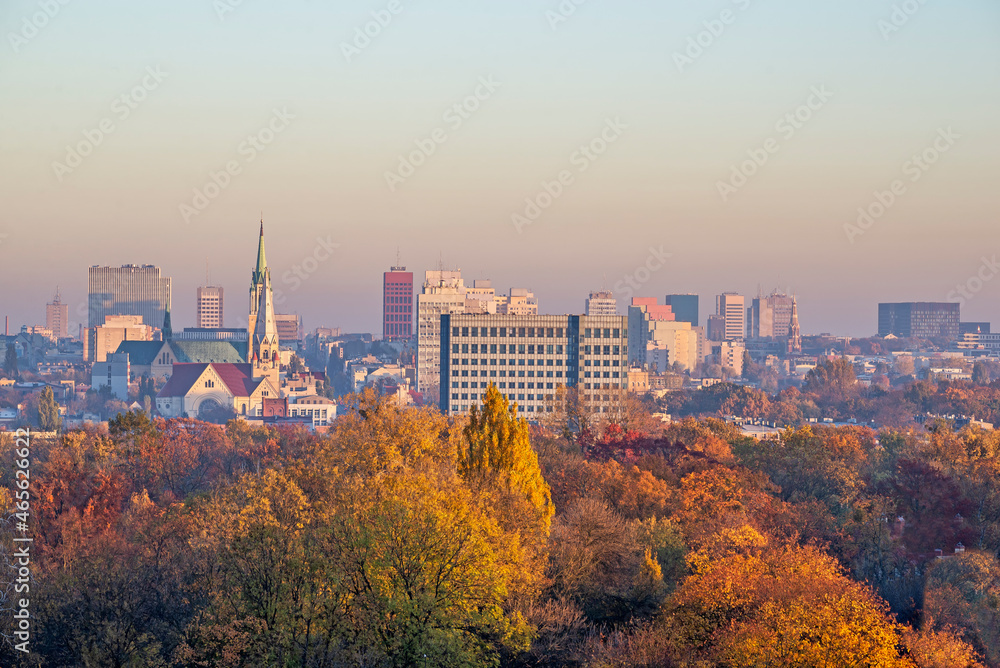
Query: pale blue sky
{"points": [[656, 186]]}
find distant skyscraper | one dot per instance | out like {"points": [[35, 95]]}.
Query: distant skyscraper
{"points": [[289, 328], [127, 290], [716, 328], [922, 320], [685, 308], [770, 317], [210, 308], [397, 304], [443, 292], [602, 303], [57, 317], [731, 306]]}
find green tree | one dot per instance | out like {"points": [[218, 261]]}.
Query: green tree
{"points": [[10, 361], [48, 411]]}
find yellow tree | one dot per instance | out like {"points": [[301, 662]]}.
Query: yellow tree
{"points": [[498, 463], [497, 453]]}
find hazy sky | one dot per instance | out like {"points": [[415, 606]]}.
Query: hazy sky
{"points": [[201, 76]]}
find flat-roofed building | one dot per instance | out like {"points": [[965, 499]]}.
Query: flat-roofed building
{"points": [[685, 308], [210, 308], [530, 357], [397, 304], [732, 307], [922, 320], [57, 317], [127, 290], [602, 302]]}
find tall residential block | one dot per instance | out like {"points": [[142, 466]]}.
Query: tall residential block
{"points": [[57, 317], [443, 293], [289, 328], [770, 317], [732, 307], [922, 320], [656, 340], [685, 308], [397, 304], [602, 302], [210, 305], [127, 290], [530, 357]]}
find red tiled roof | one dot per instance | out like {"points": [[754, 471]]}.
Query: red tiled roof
{"points": [[238, 379], [182, 379]]}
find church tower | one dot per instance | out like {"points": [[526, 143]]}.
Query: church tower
{"points": [[795, 334], [257, 282], [263, 329]]}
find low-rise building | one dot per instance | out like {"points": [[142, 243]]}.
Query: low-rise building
{"points": [[113, 373]]}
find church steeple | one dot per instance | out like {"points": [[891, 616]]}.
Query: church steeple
{"points": [[168, 330], [263, 331], [261, 258], [257, 281]]}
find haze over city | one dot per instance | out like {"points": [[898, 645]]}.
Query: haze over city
{"points": [[878, 87]]}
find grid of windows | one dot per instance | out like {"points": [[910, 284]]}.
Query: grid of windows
{"points": [[397, 304], [529, 358]]}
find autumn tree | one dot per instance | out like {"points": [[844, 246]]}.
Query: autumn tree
{"points": [[756, 604], [497, 455], [48, 411]]}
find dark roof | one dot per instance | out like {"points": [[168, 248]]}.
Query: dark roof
{"points": [[141, 353], [209, 352]]}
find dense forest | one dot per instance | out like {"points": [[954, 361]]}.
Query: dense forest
{"points": [[405, 538]]}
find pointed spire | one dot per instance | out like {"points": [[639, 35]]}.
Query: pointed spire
{"points": [[261, 258], [168, 330]]}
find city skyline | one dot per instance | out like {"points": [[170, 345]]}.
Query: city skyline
{"points": [[805, 103]]}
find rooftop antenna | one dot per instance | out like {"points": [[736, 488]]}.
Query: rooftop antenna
{"points": [[208, 274]]}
